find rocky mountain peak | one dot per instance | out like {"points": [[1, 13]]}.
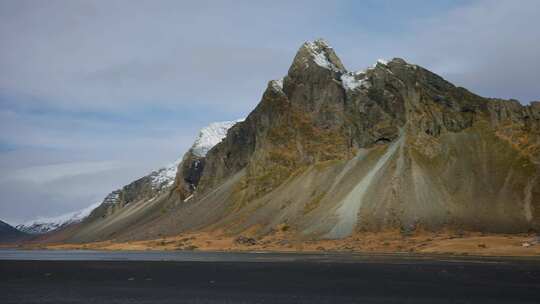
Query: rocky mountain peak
{"points": [[316, 54]]}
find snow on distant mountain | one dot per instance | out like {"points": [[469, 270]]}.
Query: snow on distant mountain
{"points": [[44, 225]]}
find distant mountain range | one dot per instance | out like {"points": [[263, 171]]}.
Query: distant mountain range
{"points": [[10, 234], [329, 152], [44, 225]]}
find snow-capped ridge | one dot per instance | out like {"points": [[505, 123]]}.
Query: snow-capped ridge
{"points": [[164, 177], [47, 224], [210, 136]]}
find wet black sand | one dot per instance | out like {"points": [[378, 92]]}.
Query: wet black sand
{"points": [[260, 278]]}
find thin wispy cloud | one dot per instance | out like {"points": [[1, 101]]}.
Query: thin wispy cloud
{"points": [[50, 173]]}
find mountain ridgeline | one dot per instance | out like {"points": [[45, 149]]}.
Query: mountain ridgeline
{"points": [[328, 152]]}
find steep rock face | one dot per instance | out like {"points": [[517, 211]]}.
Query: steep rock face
{"points": [[517, 124], [194, 161], [321, 112], [299, 121]]}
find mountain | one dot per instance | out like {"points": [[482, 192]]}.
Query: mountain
{"points": [[146, 188], [47, 224], [329, 152], [10, 234], [142, 196]]}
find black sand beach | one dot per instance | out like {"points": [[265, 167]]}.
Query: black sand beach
{"points": [[263, 278]]}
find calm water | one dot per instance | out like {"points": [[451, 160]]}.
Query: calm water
{"points": [[93, 255], [197, 256]]}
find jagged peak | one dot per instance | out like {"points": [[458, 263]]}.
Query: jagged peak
{"points": [[401, 62], [320, 53], [389, 62], [398, 60], [352, 81]]}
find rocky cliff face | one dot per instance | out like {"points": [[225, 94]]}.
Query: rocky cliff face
{"points": [[330, 152], [194, 161]]}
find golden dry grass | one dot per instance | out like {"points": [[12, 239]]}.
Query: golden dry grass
{"points": [[370, 242]]}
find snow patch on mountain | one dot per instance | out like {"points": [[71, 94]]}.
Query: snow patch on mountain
{"points": [[317, 51], [44, 225], [211, 136], [164, 177], [352, 81], [277, 84]]}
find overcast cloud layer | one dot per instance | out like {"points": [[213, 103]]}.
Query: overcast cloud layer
{"points": [[96, 93]]}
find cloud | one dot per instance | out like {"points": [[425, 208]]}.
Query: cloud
{"points": [[49, 173], [490, 47], [116, 54], [49, 194]]}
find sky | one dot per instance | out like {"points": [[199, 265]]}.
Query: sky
{"points": [[94, 94]]}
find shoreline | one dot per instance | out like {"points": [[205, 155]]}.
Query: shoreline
{"points": [[388, 242]]}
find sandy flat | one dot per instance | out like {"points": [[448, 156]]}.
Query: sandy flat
{"points": [[385, 242]]}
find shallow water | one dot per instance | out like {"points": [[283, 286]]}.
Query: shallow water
{"points": [[96, 255], [201, 256]]}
